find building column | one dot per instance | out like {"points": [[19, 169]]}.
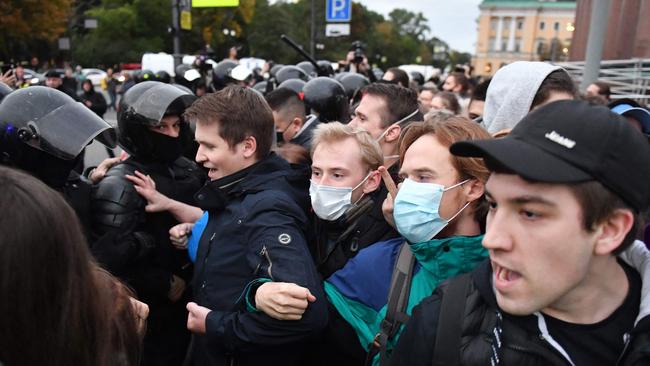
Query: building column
{"points": [[497, 39], [511, 35]]}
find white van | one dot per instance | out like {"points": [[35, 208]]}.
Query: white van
{"points": [[158, 62]]}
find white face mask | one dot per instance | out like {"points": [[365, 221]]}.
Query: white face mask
{"points": [[330, 203], [396, 123]]}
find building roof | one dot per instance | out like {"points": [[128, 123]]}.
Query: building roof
{"points": [[561, 4]]}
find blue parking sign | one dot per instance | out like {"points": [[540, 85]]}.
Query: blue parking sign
{"points": [[338, 10]]}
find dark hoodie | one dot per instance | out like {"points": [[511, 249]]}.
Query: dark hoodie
{"points": [[97, 101]]}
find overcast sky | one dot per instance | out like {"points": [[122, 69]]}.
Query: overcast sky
{"points": [[453, 21]]}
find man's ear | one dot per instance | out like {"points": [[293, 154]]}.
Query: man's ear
{"points": [[393, 133], [473, 189], [249, 147], [612, 231], [372, 183], [296, 124]]}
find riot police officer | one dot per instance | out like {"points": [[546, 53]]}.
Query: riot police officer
{"points": [[327, 99], [152, 132], [44, 132]]}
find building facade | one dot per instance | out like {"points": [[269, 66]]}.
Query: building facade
{"points": [[522, 30], [628, 30]]}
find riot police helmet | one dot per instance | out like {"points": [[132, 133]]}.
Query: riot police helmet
{"points": [[326, 97], [308, 68], [352, 82], [147, 75], [163, 76], [325, 67], [144, 106], [221, 72], [274, 69], [291, 72], [263, 87], [4, 90], [179, 72], [296, 85], [44, 131], [340, 75]]}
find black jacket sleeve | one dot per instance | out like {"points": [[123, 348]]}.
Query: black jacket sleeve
{"points": [[417, 341], [277, 251]]}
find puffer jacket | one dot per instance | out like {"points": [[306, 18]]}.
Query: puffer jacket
{"points": [[517, 344]]}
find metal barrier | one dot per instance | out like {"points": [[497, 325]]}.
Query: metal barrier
{"points": [[627, 78]]}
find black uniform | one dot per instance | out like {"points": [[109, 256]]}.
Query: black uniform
{"points": [[44, 132], [142, 254]]}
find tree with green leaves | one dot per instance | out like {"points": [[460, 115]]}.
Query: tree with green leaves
{"points": [[128, 28], [28, 27]]}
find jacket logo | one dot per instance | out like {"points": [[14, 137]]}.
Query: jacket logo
{"points": [[284, 238], [559, 139]]}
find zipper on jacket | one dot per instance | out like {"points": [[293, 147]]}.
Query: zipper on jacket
{"points": [[265, 253], [552, 348], [628, 340], [205, 259]]}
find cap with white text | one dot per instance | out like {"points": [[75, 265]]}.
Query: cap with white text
{"points": [[569, 142]]}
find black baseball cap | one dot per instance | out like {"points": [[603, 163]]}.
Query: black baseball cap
{"points": [[571, 141], [53, 74]]}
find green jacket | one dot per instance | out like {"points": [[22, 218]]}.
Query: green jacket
{"points": [[359, 291]]}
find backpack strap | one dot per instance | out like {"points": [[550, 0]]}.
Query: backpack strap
{"points": [[398, 296], [450, 320]]}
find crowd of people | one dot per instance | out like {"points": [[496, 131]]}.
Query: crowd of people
{"points": [[298, 216]]}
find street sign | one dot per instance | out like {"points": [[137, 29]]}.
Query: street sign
{"points": [[90, 23], [64, 43], [337, 30], [185, 8], [186, 20], [214, 3], [338, 10]]}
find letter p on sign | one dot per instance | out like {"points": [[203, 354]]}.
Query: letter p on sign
{"points": [[338, 10]]}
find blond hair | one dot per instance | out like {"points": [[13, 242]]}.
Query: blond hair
{"points": [[371, 155]]}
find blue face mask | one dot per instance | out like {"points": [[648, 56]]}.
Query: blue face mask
{"points": [[417, 210]]}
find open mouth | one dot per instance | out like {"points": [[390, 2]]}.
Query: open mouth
{"points": [[504, 277]]}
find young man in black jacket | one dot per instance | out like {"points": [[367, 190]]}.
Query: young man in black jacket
{"points": [[255, 233], [565, 281]]}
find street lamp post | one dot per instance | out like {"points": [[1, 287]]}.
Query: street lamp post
{"points": [[176, 33], [595, 42]]}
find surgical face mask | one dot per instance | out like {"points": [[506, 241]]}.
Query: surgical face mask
{"points": [[330, 203], [397, 123], [417, 210], [279, 135]]}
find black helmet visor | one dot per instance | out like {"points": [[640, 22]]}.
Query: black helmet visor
{"points": [[66, 131], [151, 106]]}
